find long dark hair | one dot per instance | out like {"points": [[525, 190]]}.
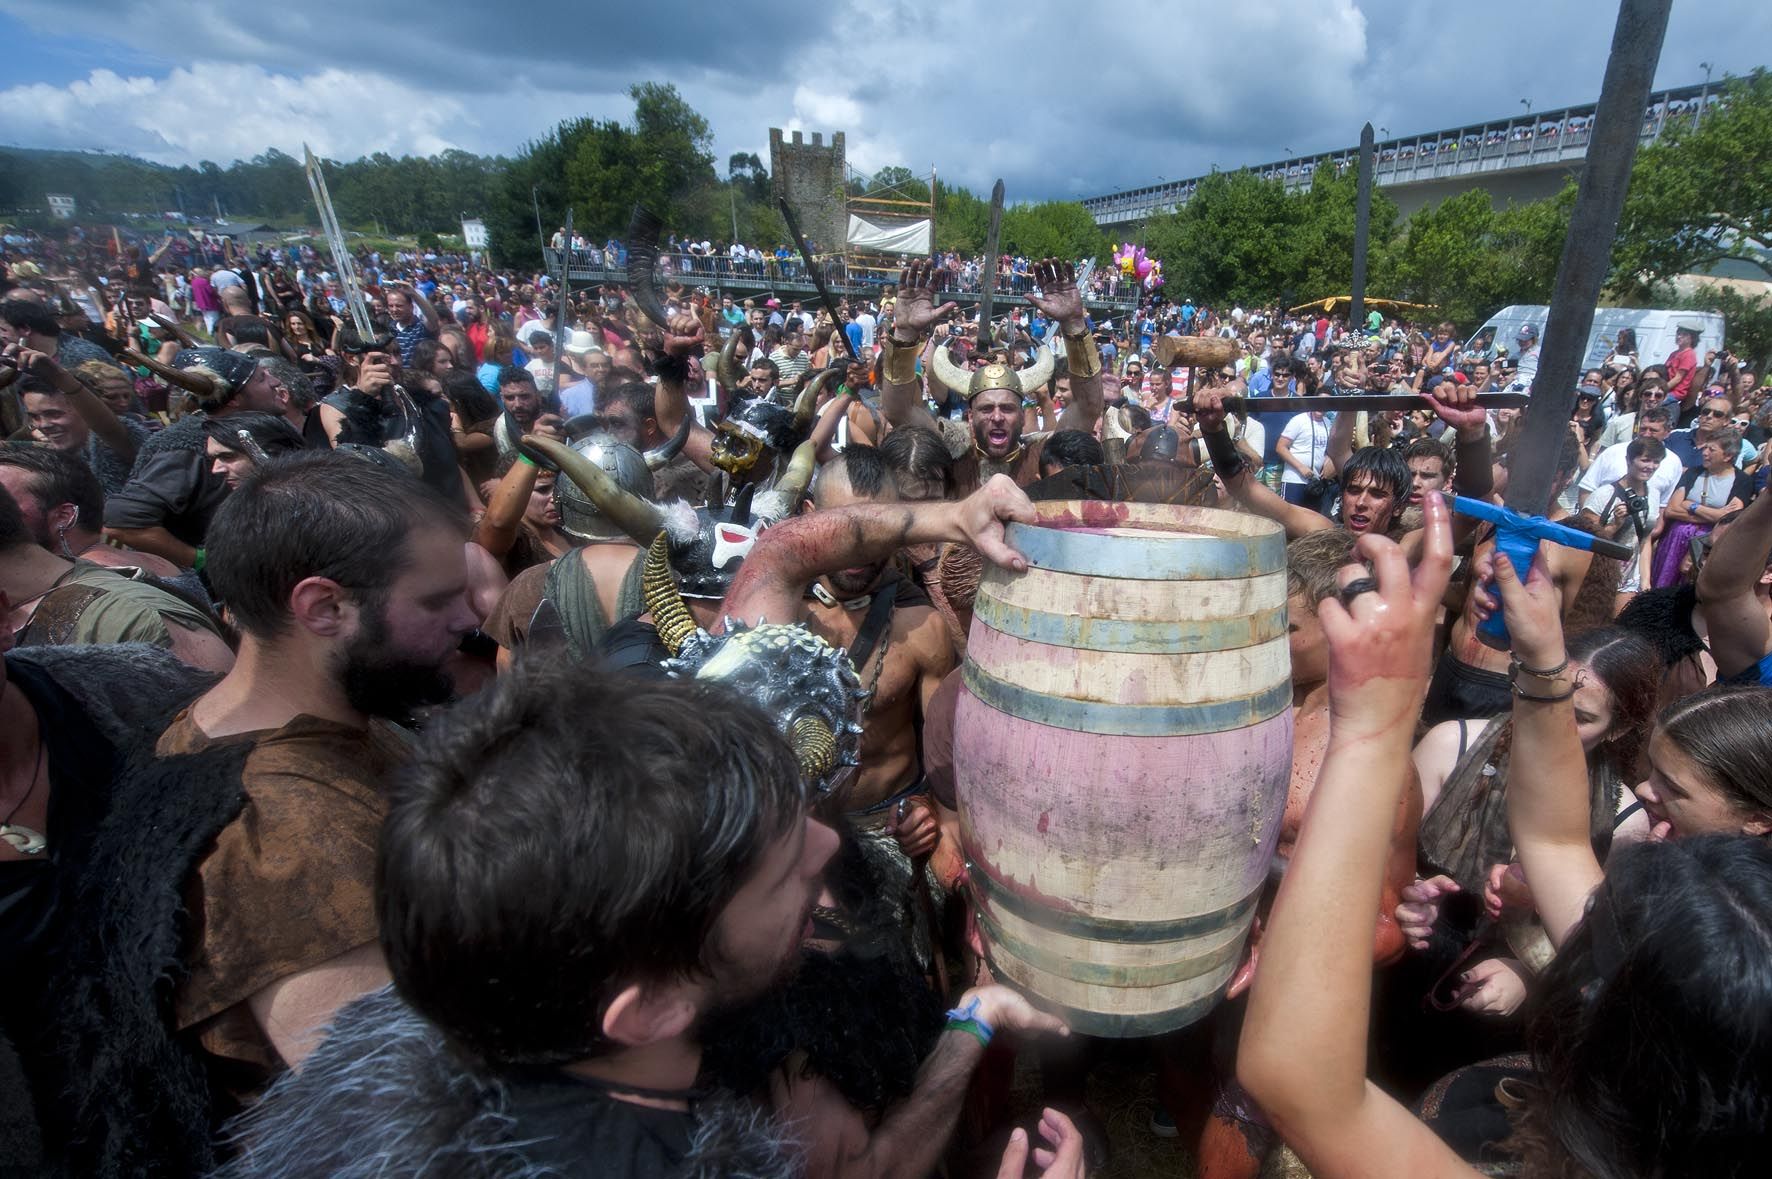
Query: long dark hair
{"points": [[1651, 1030], [1725, 731]]}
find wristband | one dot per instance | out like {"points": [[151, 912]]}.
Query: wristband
{"points": [[1227, 460], [523, 458], [1081, 355], [197, 561], [900, 367], [965, 1019]]}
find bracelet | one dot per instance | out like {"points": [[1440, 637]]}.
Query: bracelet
{"points": [[197, 561], [523, 458], [965, 1019], [900, 365], [1553, 699], [1514, 667], [1081, 355]]}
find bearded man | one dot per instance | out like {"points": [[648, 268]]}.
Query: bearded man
{"points": [[992, 442]]}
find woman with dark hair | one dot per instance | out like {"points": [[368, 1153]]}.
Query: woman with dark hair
{"points": [[472, 412], [1624, 352], [1651, 1049], [433, 357]]}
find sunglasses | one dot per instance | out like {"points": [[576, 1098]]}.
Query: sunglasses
{"points": [[1713, 413]]}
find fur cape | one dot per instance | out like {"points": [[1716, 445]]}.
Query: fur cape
{"points": [[385, 1097]]}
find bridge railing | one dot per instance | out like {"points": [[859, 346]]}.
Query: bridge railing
{"points": [[789, 280]]}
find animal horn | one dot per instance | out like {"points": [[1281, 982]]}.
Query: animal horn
{"points": [[201, 381], [949, 373], [661, 455], [670, 614], [630, 513], [726, 364], [1113, 425], [798, 477], [643, 230], [814, 745], [1035, 375], [806, 404]]}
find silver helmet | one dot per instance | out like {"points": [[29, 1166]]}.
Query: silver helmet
{"points": [[626, 467]]}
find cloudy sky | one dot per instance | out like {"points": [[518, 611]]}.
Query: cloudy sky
{"points": [[1061, 99]]}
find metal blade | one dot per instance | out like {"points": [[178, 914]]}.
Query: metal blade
{"points": [[1368, 402], [812, 272], [987, 298], [563, 284]]}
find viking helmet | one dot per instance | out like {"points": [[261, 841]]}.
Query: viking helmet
{"points": [[627, 470], [994, 376], [763, 426], [808, 687]]}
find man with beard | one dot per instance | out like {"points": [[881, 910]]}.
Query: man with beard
{"points": [[993, 443], [348, 586], [563, 942]]}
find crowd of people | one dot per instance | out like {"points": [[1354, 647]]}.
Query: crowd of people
{"points": [[517, 734]]}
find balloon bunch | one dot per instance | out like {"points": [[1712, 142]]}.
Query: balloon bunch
{"points": [[1131, 261]]}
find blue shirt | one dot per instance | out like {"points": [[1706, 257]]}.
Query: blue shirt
{"points": [[853, 331], [1262, 385]]}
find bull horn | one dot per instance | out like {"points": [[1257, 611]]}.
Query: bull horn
{"points": [[1113, 425], [806, 404], [670, 614], [1034, 376], [205, 383], [660, 456], [635, 516], [726, 364], [948, 373], [795, 481], [814, 745]]}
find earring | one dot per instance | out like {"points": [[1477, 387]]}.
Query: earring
{"points": [[61, 534]]}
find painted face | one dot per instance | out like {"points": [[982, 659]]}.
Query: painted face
{"points": [[1366, 504], [1427, 474], [1681, 793], [996, 423]]}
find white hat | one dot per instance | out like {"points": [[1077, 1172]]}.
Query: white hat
{"points": [[581, 343]]}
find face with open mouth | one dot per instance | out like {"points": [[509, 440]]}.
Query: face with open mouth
{"points": [[996, 423], [1366, 506]]}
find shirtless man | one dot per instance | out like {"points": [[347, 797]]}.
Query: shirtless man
{"points": [[995, 443], [903, 666], [1470, 679]]}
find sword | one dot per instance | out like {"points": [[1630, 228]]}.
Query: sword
{"points": [[987, 297], [1371, 402], [824, 292], [564, 285], [341, 254]]}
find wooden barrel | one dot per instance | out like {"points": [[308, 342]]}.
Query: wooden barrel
{"points": [[1122, 747]]}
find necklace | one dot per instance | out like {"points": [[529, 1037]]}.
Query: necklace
{"points": [[24, 839]]}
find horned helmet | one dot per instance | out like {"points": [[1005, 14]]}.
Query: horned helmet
{"points": [[1022, 382], [763, 426], [627, 469]]}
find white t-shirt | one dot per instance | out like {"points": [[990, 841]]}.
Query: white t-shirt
{"points": [[1310, 444], [1610, 465]]}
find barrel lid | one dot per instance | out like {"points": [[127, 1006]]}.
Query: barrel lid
{"points": [[1149, 542]]}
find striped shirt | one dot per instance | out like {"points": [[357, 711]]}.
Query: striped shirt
{"points": [[792, 367]]}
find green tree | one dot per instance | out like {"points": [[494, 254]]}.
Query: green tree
{"points": [[962, 218], [1050, 229], [1702, 194], [1230, 243], [1747, 320], [1323, 242]]}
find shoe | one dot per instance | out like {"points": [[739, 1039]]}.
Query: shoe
{"points": [[1162, 1125]]}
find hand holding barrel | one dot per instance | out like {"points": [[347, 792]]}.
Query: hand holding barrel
{"points": [[1380, 630], [1007, 1010], [979, 520]]}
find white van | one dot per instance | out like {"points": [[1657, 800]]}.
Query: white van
{"points": [[1654, 329]]}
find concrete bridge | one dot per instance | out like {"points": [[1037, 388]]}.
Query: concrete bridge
{"points": [[789, 282], [1521, 157]]}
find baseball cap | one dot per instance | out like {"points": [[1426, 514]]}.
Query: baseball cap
{"points": [[1593, 391], [1526, 332]]}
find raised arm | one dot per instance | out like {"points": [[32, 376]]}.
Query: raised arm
{"points": [[497, 529], [1547, 803], [913, 320], [1734, 612], [1312, 995], [791, 555], [671, 403], [1233, 470], [1062, 303], [92, 410]]}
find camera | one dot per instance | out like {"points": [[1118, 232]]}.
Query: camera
{"points": [[1638, 508]]}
